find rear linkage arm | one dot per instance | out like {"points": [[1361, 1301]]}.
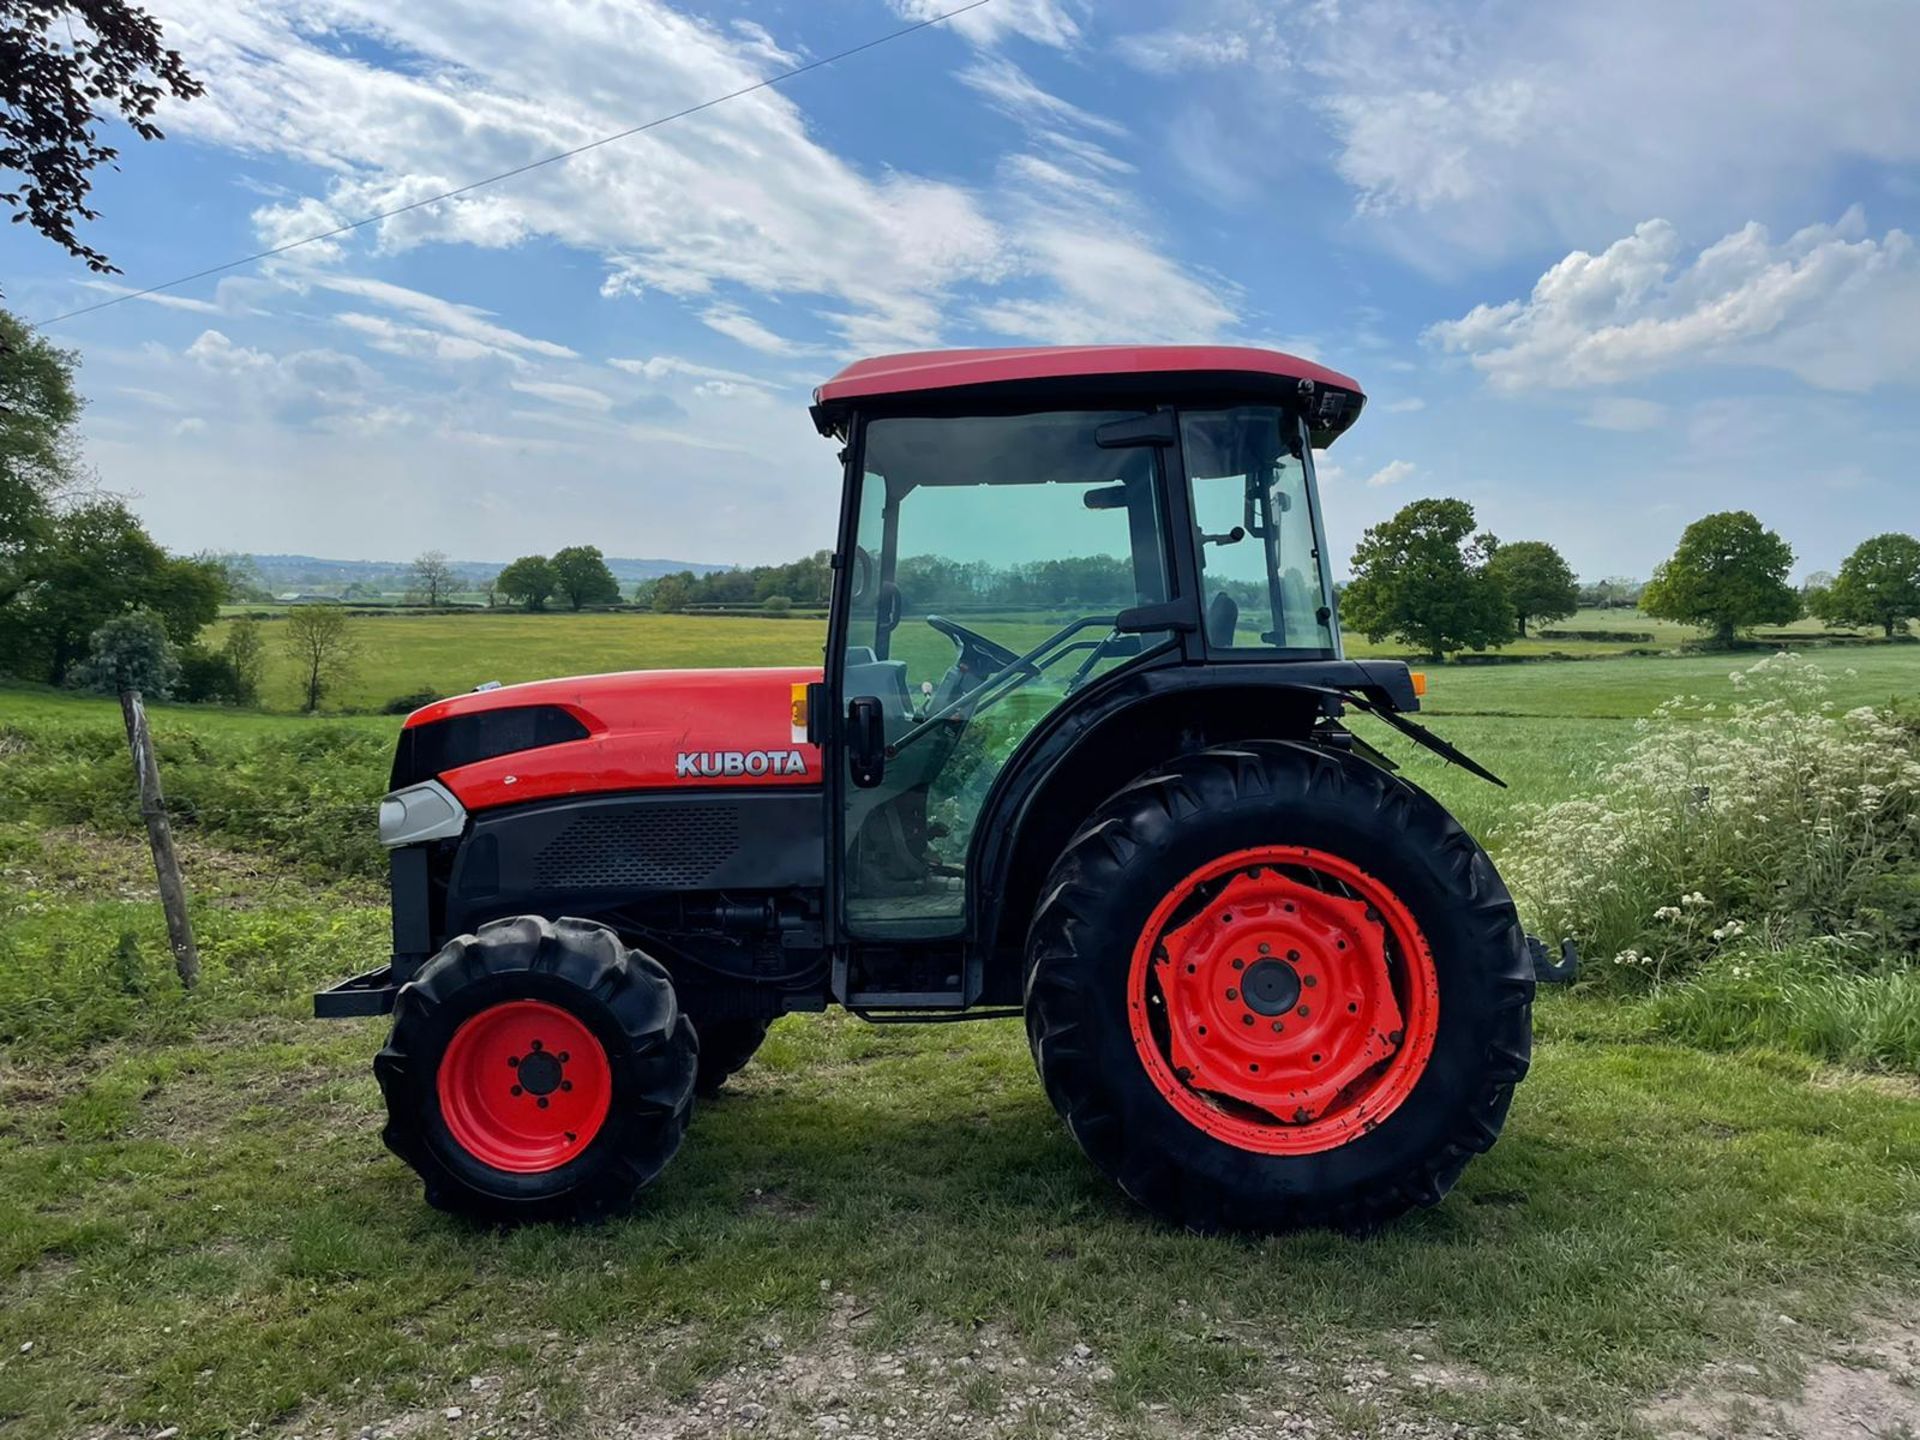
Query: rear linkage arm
{"points": [[1545, 971]]}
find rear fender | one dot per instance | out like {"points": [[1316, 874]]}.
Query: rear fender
{"points": [[1131, 721]]}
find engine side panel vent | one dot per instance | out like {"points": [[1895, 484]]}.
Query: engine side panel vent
{"points": [[677, 847]]}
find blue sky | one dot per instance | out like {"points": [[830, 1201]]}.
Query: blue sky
{"points": [[1601, 268]]}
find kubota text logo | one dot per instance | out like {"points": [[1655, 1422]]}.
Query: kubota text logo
{"points": [[696, 764]]}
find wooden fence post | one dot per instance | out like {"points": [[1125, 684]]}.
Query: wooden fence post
{"points": [[153, 809]]}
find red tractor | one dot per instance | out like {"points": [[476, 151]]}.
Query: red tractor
{"points": [[1077, 753]]}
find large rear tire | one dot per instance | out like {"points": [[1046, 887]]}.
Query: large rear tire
{"points": [[725, 1048], [537, 1070], [1273, 986]]}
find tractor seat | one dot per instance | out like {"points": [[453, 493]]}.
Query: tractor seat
{"points": [[1223, 614]]}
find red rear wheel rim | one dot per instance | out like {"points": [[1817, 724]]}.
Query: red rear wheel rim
{"points": [[524, 1086], [1283, 1000]]}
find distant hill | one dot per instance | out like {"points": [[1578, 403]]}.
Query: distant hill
{"points": [[308, 572]]}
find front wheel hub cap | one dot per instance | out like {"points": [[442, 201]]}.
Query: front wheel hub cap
{"points": [[524, 1086], [1283, 1000]]}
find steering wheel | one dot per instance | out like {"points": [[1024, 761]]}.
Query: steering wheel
{"points": [[977, 652]]}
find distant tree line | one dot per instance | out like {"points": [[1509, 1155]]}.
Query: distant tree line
{"points": [[1425, 577], [927, 582]]}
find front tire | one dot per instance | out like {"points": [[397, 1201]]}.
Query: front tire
{"points": [[1273, 986], [537, 1070]]}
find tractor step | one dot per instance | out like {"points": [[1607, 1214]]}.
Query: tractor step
{"points": [[906, 1000], [367, 994]]}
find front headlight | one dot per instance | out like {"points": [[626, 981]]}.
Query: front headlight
{"points": [[420, 812]]}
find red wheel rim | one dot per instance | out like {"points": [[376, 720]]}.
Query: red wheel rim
{"points": [[1283, 1000], [524, 1086]]}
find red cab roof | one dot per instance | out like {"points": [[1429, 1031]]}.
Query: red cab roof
{"points": [[1335, 407], [949, 369]]}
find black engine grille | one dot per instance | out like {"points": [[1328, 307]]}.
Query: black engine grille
{"points": [[677, 847]]}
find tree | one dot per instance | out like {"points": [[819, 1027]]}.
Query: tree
{"points": [[58, 59], [97, 562], [432, 578], [490, 590], [130, 652], [581, 577], [1423, 576], [671, 593], [528, 581], [245, 651], [322, 649], [1878, 584], [39, 454], [1728, 572], [1540, 586]]}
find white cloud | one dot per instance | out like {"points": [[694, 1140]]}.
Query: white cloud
{"points": [[1111, 287], [736, 324], [1014, 92], [309, 388], [1830, 304], [1082, 263], [1469, 131], [1407, 406], [1250, 36], [1391, 473], [448, 317], [163, 299], [574, 397], [658, 368], [1054, 23], [740, 197]]}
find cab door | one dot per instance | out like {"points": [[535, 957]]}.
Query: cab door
{"points": [[996, 564]]}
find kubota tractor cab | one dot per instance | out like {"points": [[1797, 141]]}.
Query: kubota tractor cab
{"points": [[1078, 752]]}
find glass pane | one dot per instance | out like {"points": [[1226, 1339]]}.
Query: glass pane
{"points": [[993, 554], [1259, 554]]}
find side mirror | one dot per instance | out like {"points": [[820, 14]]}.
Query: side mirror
{"points": [[866, 741]]}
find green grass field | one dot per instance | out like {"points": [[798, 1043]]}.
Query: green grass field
{"points": [[410, 653], [199, 1228]]}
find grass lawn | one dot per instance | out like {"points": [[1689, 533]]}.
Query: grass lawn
{"points": [[409, 653], [199, 1227]]}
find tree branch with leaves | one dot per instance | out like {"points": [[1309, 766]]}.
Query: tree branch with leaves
{"points": [[66, 68]]}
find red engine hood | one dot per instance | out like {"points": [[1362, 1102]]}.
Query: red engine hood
{"points": [[646, 730]]}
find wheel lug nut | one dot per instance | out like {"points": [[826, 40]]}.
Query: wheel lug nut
{"points": [[564, 1057], [566, 1084], [1239, 964], [541, 1102], [1246, 1019], [1293, 954], [1309, 981], [1233, 994], [1265, 949], [1278, 1027], [1303, 1010], [513, 1062], [518, 1091]]}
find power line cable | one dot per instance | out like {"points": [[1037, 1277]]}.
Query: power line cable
{"points": [[654, 124]]}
